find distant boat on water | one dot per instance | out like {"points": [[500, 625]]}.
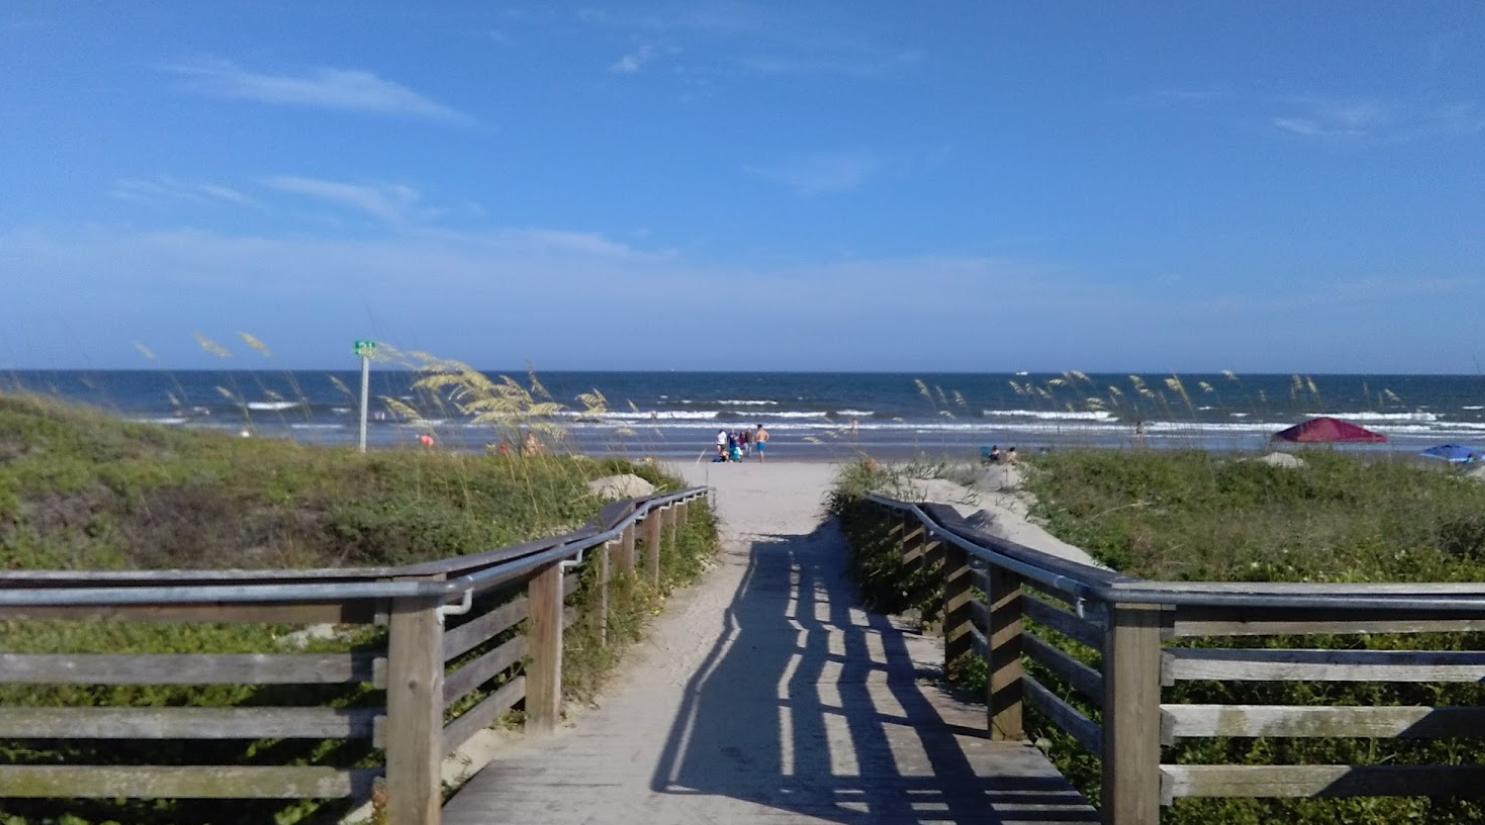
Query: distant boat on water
{"points": [[1022, 372]]}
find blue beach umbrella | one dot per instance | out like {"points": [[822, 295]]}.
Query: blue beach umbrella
{"points": [[1451, 452]]}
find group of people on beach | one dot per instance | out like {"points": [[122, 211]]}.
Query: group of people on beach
{"points": [[996, 456], [734, 445]]}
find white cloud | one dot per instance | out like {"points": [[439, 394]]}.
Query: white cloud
{"points": [[633, 61], [347, 90], [814, 174], [165, 188], [395, 204]]}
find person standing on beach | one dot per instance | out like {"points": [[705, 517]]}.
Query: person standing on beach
{"points": [[722, 443], [760, 441]]}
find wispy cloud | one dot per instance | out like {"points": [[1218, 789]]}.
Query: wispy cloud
{"points": [[345, 90], [813, 174], [164, 188], [1378, 119], [394, 204]]}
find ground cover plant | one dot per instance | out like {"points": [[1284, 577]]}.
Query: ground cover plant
{"points": [[1194, 515], [82, 491]]}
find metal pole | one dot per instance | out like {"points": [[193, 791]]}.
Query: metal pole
{"points": [[365, 388]]}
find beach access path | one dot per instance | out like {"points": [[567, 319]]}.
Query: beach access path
{"points": [[766, 694]]}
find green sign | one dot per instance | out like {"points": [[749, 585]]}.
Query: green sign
{"points": [[365, 349]]}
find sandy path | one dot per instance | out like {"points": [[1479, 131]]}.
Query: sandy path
{"points": [[764, 694]]}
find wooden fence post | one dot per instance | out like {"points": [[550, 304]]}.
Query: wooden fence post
{"points": [[605, 569], [681, 517], [1131, 717], [654, 520], [957, 612], [544, 650], [1003, 670], [626, 565], [672, 531], [415, 712], [914, 537]]}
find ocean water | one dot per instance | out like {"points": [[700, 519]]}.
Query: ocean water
{"points": [[676, 415]]}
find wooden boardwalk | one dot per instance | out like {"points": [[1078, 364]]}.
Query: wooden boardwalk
{"points": [[767, 695]]}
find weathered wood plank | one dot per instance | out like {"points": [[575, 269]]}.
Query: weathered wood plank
{"points": [[956, 594], [1228, 621], [651, 526], [358, 612], [186, 723], [1082, 729], [544, 643], [204, 782], [480, 716], [1003, 672], [1131, 714], [188, 668], [1293, 721], [415, 712], [477, 631], [1321, 665], [1262, 781], [1062, 621], [1080, 677], [481, 670]]}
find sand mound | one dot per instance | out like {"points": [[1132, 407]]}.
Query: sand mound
{"points": [[1283, 460], [613, 488]]}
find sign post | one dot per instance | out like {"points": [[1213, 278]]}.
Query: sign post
{"points": [[365, 349]]}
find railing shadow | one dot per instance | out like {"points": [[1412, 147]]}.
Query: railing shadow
{"points": [[810, 704]]}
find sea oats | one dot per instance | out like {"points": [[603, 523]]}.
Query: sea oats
{"points": [[212, 346]]}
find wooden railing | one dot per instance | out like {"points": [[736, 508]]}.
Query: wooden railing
{"points": [[1110, 645], [423, 669]]}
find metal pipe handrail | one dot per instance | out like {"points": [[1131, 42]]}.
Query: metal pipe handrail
{"points": [[338, 591], [1132, 590]]}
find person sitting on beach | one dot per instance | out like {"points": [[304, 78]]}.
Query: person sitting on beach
{"points": [[531, 445], [1010, 455], [734, 453], [994, 456]]}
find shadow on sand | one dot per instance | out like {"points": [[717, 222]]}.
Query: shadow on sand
{"points": [[811, 705]]}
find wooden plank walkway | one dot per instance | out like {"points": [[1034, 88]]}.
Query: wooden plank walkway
{"points": [[766, 694]]}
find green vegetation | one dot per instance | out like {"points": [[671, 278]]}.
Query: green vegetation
{"points": [[80, 490], [1191, 515]]}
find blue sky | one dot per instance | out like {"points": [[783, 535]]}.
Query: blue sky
{"points": [[943, 185]]}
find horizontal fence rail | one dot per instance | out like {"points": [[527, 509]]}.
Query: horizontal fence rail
{"points": [[454, 645], [1095, 653]]}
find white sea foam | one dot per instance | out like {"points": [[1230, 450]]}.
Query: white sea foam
{"points": [[856, 413], [1376, 416], [732, 402], [272, 406], [1052, 415], [1472, 407], [302, 426]]}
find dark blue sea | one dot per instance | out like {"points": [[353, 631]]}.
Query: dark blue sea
{"points": [[676, 415]]}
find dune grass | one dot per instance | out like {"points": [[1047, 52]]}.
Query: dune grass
{"points": [[80, 490], [1192, 515]]}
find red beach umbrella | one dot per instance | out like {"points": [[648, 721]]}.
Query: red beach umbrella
{"points": [[1326, 430]]}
